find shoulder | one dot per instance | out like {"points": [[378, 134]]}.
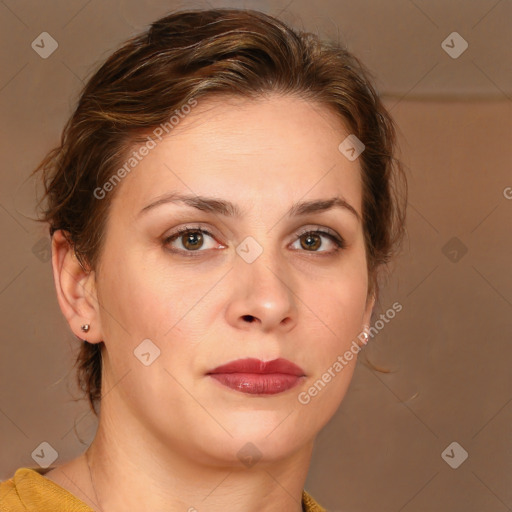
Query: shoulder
{"points": [[10, 499], [28, 490]]}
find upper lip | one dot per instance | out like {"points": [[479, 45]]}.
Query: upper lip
{"points": [[251, 365]]}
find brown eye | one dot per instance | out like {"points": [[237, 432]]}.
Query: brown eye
{"points": [[310, 241], [189, 240], [318, 241]]}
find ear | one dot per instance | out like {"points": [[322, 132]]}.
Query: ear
{"points": [[76, 290]]}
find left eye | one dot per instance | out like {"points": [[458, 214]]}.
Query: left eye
{"points": [[311, 241]]}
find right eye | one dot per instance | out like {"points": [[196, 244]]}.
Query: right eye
{"points": [[189, 240]]}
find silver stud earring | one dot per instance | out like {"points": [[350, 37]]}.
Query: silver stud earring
{"points": [[85, 327]]}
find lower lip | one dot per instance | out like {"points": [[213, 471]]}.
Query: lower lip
{"points": [[257, 383]]}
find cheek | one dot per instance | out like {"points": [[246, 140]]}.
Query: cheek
{"points": [[338, 309], [146, 297], [339, 319], [339, 302]]}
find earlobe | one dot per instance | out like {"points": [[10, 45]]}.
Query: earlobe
{"points": [[76, 290]]}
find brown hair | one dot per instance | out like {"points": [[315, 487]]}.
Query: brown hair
{"points": [[192, 54]]}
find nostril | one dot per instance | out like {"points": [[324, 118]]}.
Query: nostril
{"points": [[248, 318]]}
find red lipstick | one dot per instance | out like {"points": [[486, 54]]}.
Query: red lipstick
{"points": [[257, 377]]}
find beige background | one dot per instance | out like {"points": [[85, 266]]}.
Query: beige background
{"points": [[449, 350]]}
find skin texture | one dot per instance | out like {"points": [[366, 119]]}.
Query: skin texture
{"points": [[168, 434]]}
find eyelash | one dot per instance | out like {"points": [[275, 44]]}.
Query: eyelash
{"points": [[338, 241]]}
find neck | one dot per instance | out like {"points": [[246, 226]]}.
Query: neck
{"points": [[130, 470]]}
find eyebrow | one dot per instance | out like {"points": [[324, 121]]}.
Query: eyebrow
{"points": [[229, 209]]}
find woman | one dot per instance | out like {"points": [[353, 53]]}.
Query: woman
{"points": [[221, 206]]}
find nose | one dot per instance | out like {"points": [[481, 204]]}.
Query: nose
{"points": [[262, 298]]}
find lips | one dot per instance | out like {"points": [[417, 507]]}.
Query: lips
{"points": [[257, 377]]}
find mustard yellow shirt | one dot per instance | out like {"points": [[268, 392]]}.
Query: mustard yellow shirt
{"points": [[29, 491]]}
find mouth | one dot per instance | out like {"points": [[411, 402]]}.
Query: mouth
{"points": [[256, 377]]}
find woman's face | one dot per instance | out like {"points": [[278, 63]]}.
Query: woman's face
{"points": [[250, 285]]}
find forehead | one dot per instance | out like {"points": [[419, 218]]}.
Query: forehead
{"points": [[278, 148]]}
